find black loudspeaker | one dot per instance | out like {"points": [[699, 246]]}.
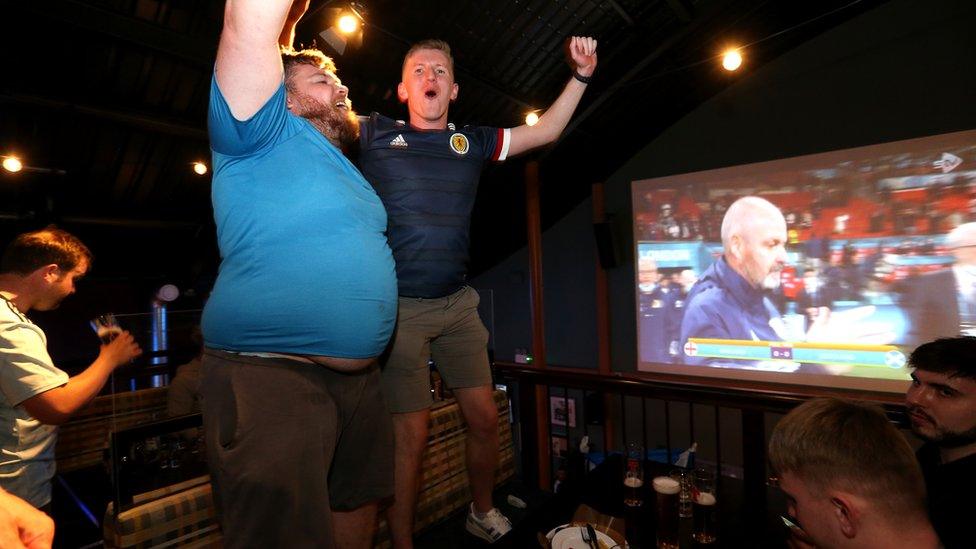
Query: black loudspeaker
{"points": [[593, 408], [606, 245]]}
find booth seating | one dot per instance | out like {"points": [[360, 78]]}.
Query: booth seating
{"points": [[183, 515], [179, 515], [83, 440]]}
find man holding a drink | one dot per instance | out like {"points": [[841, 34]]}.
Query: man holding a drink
{"points": [[37, 271]]}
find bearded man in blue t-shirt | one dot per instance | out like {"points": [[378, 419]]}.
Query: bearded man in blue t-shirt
{"points": [[299, 441]]}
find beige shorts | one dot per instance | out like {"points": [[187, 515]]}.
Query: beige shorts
{"points": [[447, 329]]}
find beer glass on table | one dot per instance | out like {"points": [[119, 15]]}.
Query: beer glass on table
{"points": [[667, 493], [684, 478], [106, 327], [634, 475], [705, 520]]}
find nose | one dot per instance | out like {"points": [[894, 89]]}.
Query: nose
{"points": [[343, 91], [915, 395]]}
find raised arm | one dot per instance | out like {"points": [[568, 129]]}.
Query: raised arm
{"points": [[582, 50], [248, 59], [287, 37], [57, 405]]}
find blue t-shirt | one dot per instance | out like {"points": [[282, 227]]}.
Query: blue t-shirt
{"points": [[428, 180], [305, 268]]}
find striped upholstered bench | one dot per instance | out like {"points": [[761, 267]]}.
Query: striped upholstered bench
{"points": [[183, 517]]}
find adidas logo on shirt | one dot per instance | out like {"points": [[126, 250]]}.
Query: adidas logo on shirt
{"points": [[398, 141]]}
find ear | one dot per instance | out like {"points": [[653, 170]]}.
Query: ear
{"points": [[454, 91], [847, 514], [50, 273], [402, 92], [736, 247], [288, 104]]}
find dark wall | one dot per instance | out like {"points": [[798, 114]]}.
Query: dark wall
{"points": [[906, 69]]}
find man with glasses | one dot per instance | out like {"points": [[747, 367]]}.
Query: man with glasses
{"points": [[850, 478]]}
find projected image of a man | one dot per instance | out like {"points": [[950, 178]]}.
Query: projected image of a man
{"points": [[732, 299], [935, 310], [754, 238], [729, 301], [654, 305]]}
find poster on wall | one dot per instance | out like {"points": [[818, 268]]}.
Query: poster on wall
{"points": [[562, 411]]}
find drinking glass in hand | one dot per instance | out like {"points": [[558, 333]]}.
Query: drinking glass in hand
{"points": [[705, 521], [634, 475], [106, 327], [667, 492]]}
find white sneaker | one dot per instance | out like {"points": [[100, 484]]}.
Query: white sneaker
{"points": [[491, 528]]}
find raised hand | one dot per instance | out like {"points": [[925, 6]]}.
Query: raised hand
{"points": [[582, 50], [122, 350]]}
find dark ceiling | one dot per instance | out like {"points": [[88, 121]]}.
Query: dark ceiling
{"points": [[114, 93]]}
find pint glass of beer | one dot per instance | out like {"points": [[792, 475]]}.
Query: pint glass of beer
{"points": [[106, 327], [667, 492], [683, 476], [634, 475], [705, 516]]}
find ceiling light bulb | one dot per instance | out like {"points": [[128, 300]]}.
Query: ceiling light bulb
{"points": [[12, 164], [531, 119], [731, 60], [348, 24], [200, 168]]}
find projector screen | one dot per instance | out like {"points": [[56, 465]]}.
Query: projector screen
{"points": [[822, 270]]}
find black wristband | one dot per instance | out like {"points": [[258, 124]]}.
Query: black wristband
{"points": [[581, 78]]}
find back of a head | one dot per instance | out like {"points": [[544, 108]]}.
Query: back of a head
{"points": [[31, 251], [832, 444], [962, 236], [953, 356]]}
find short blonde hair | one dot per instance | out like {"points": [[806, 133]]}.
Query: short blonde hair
{"points": [[829, 443], [430, 44]]}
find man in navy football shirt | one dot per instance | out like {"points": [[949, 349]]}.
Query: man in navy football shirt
{"points": [[426, 172]]}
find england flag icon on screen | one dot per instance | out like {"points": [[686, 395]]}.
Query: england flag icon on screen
{"points": [[781, 352]]}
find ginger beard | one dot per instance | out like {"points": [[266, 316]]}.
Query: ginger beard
{"points": [[340, 125]]}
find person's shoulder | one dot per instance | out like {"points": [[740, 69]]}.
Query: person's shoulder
{"points": [[10, 315], [382, 120], [475, 131], [931, 285], [709, 300], [938, 276]]}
